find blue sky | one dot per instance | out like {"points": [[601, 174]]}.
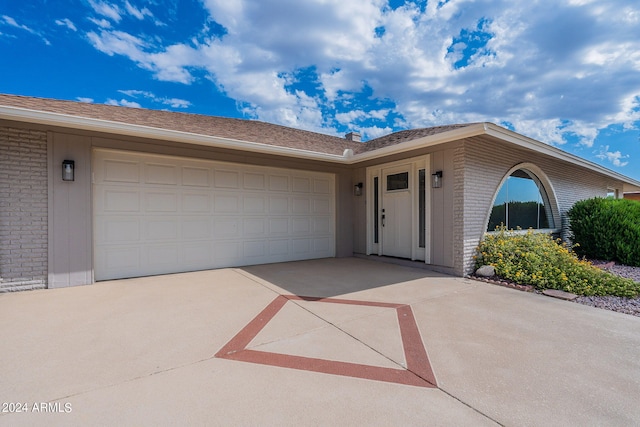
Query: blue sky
{"points": [[565, 72]]}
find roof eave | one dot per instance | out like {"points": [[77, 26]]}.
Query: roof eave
{"points": [[119, 128]]}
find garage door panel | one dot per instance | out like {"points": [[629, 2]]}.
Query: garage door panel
{"points": [[161, 229], [254, 204], [301, 206], [254, 181], [197, 255], [321, 245], [278, 205], [301, 185], [227, 179], [119, 230], [321, 226], [278, 226], [254, 249], [195, 177], [162, 257], [122, 258], [227, 228], [158, 214], [118, 171], [279, 248], [161, 174], [198, 228], [301, 225], [301, 247], [322, 186], [228, 253], [254, 227], [161, 202], [278, 183], [321, 206], [227, 203], [198, 203], [118, 200]]}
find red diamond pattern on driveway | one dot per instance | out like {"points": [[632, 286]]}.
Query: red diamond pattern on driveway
{"points": [[418, 372]]}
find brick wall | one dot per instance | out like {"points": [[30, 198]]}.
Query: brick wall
{"points": [[23, 209], [486, 163]]}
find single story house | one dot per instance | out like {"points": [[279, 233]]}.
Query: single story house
{"points": [[91, 192]]}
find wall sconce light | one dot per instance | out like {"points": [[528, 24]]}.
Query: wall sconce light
{"points": [[357, 189], [436, 179], [68, 167]]}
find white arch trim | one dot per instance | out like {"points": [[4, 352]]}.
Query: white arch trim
{"points": [[548, 187]]}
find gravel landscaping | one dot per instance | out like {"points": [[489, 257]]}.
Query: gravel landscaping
{"points": [[621, 305]]}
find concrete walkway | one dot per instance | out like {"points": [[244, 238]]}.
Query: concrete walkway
{"points": [[237, 347]]}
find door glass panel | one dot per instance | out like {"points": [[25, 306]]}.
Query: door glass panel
{"points": [[398, 181], [376, 237], [421, 207]]}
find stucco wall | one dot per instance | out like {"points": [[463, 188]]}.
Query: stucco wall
{"points": [[485, 165], [23, 209]]}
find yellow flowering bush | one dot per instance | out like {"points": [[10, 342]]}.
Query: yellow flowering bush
{"points": [[539, 260]]}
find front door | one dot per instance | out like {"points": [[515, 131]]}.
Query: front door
{"points": [[396, 219]]}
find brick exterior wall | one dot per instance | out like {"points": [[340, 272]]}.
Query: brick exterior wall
{"points": [[486, 163], [459, 206], [23, 209]]}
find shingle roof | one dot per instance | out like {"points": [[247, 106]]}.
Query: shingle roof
{"points": [[237, 129], [407, 135]]}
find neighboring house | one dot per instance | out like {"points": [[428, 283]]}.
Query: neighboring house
{"points": [[158, 192]]}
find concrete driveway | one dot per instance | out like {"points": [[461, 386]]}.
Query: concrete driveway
{"points": [[376, 344]]}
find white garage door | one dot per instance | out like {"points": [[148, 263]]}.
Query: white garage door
{"points": [[160, 214]]}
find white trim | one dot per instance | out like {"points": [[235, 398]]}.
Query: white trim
{"points": [[548, 187], [477, 129], [413, 165]]}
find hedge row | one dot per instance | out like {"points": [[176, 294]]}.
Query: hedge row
{"points": [[607, 229]]}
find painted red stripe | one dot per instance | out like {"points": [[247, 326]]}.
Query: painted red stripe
{"points": [[343, 301], [418, 372], [253, 328], [414, 351], [376, 373]]}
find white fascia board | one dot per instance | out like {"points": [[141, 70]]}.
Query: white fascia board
{"points": [[540, 147], [98, 125]]}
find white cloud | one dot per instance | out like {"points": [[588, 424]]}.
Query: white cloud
{"points": [[66, 22], [123, 103], [555, 71], [137, 13], [12, 22], [103, 23], [111, 11], [172, 102], [86, 100], [615, 157]]}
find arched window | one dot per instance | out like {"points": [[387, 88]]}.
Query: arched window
{"points": [[521, 202]]}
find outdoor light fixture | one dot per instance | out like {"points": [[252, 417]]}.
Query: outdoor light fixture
{"points": [[357, 189], [436, 179], [68, 167]]}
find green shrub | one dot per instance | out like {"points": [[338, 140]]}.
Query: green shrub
{"points": [[607, 229], [539, 260]]}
